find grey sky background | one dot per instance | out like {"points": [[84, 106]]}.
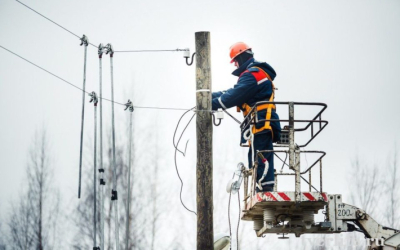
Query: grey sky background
{"points": [[343, 53]]}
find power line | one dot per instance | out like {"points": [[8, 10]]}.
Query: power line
{"points": [[45, 70], [106, 99], [119, 51], [151, 50], [75, 86], [62, 27], [141, 107]]}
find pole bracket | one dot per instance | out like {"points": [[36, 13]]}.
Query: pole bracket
{"points": [[187, 58]]}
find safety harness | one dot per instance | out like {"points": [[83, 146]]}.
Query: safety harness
{"points": [[261, 76]]}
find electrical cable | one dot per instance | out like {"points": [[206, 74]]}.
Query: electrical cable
{"points": [[237, 229], [309, 184], [141, 107], [231, 116], [74, 34], [122, 104], [75, 86], [62, 27], [229, 218], [187, 59], [284, 161], [176, 165], [150, 50], [173, 138]]}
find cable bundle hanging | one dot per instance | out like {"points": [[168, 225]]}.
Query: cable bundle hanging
{"points": [[95, 101], [84, 41], [101, 169], [129, 106], [183, 153], [114, 193]]}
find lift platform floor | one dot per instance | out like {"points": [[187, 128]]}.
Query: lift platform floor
{"points": [[283, 202]]}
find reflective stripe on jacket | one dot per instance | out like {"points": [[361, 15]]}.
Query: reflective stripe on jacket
{"points": [[248, 90]]}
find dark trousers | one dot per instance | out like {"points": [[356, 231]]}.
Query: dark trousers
{"points": [[263, 141]]}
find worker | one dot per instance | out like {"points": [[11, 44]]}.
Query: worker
{"points": [[254, 85]]}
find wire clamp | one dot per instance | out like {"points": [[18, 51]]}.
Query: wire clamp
{"points": [[101, 50], [129, 106], [102, 182], [101, 170], [96, 248], [114, 195], [109, 49], [84, 40], [93, 98], [234, 185]]}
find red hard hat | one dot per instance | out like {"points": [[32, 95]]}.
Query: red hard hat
{"points": [[237, 49]]}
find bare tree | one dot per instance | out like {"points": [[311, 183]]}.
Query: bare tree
{"points": [[2, 245], [21, 235], [155, 213], [364, 184], [391, 184], [33, 221], [83, 216]]}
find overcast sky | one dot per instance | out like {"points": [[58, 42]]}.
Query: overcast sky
{"points": [[343, 53]]}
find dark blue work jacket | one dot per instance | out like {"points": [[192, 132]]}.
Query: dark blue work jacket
{"points": [[247, 90]]}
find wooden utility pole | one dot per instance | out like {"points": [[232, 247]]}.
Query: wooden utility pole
{"points": [[204, 169]]}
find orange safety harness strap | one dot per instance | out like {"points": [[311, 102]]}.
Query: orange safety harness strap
{"points": [[261, 76]]}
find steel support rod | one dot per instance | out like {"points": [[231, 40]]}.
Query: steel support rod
{"points": [[320, 175], [114, 194], [291, 136], [297, 175], [204, 169], [101, 169], [246, 186], [85, 42], [94, 99], [129, 179], [294, 154]]}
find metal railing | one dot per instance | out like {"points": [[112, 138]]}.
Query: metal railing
{"points": [[252, 119], [293, 149]]}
